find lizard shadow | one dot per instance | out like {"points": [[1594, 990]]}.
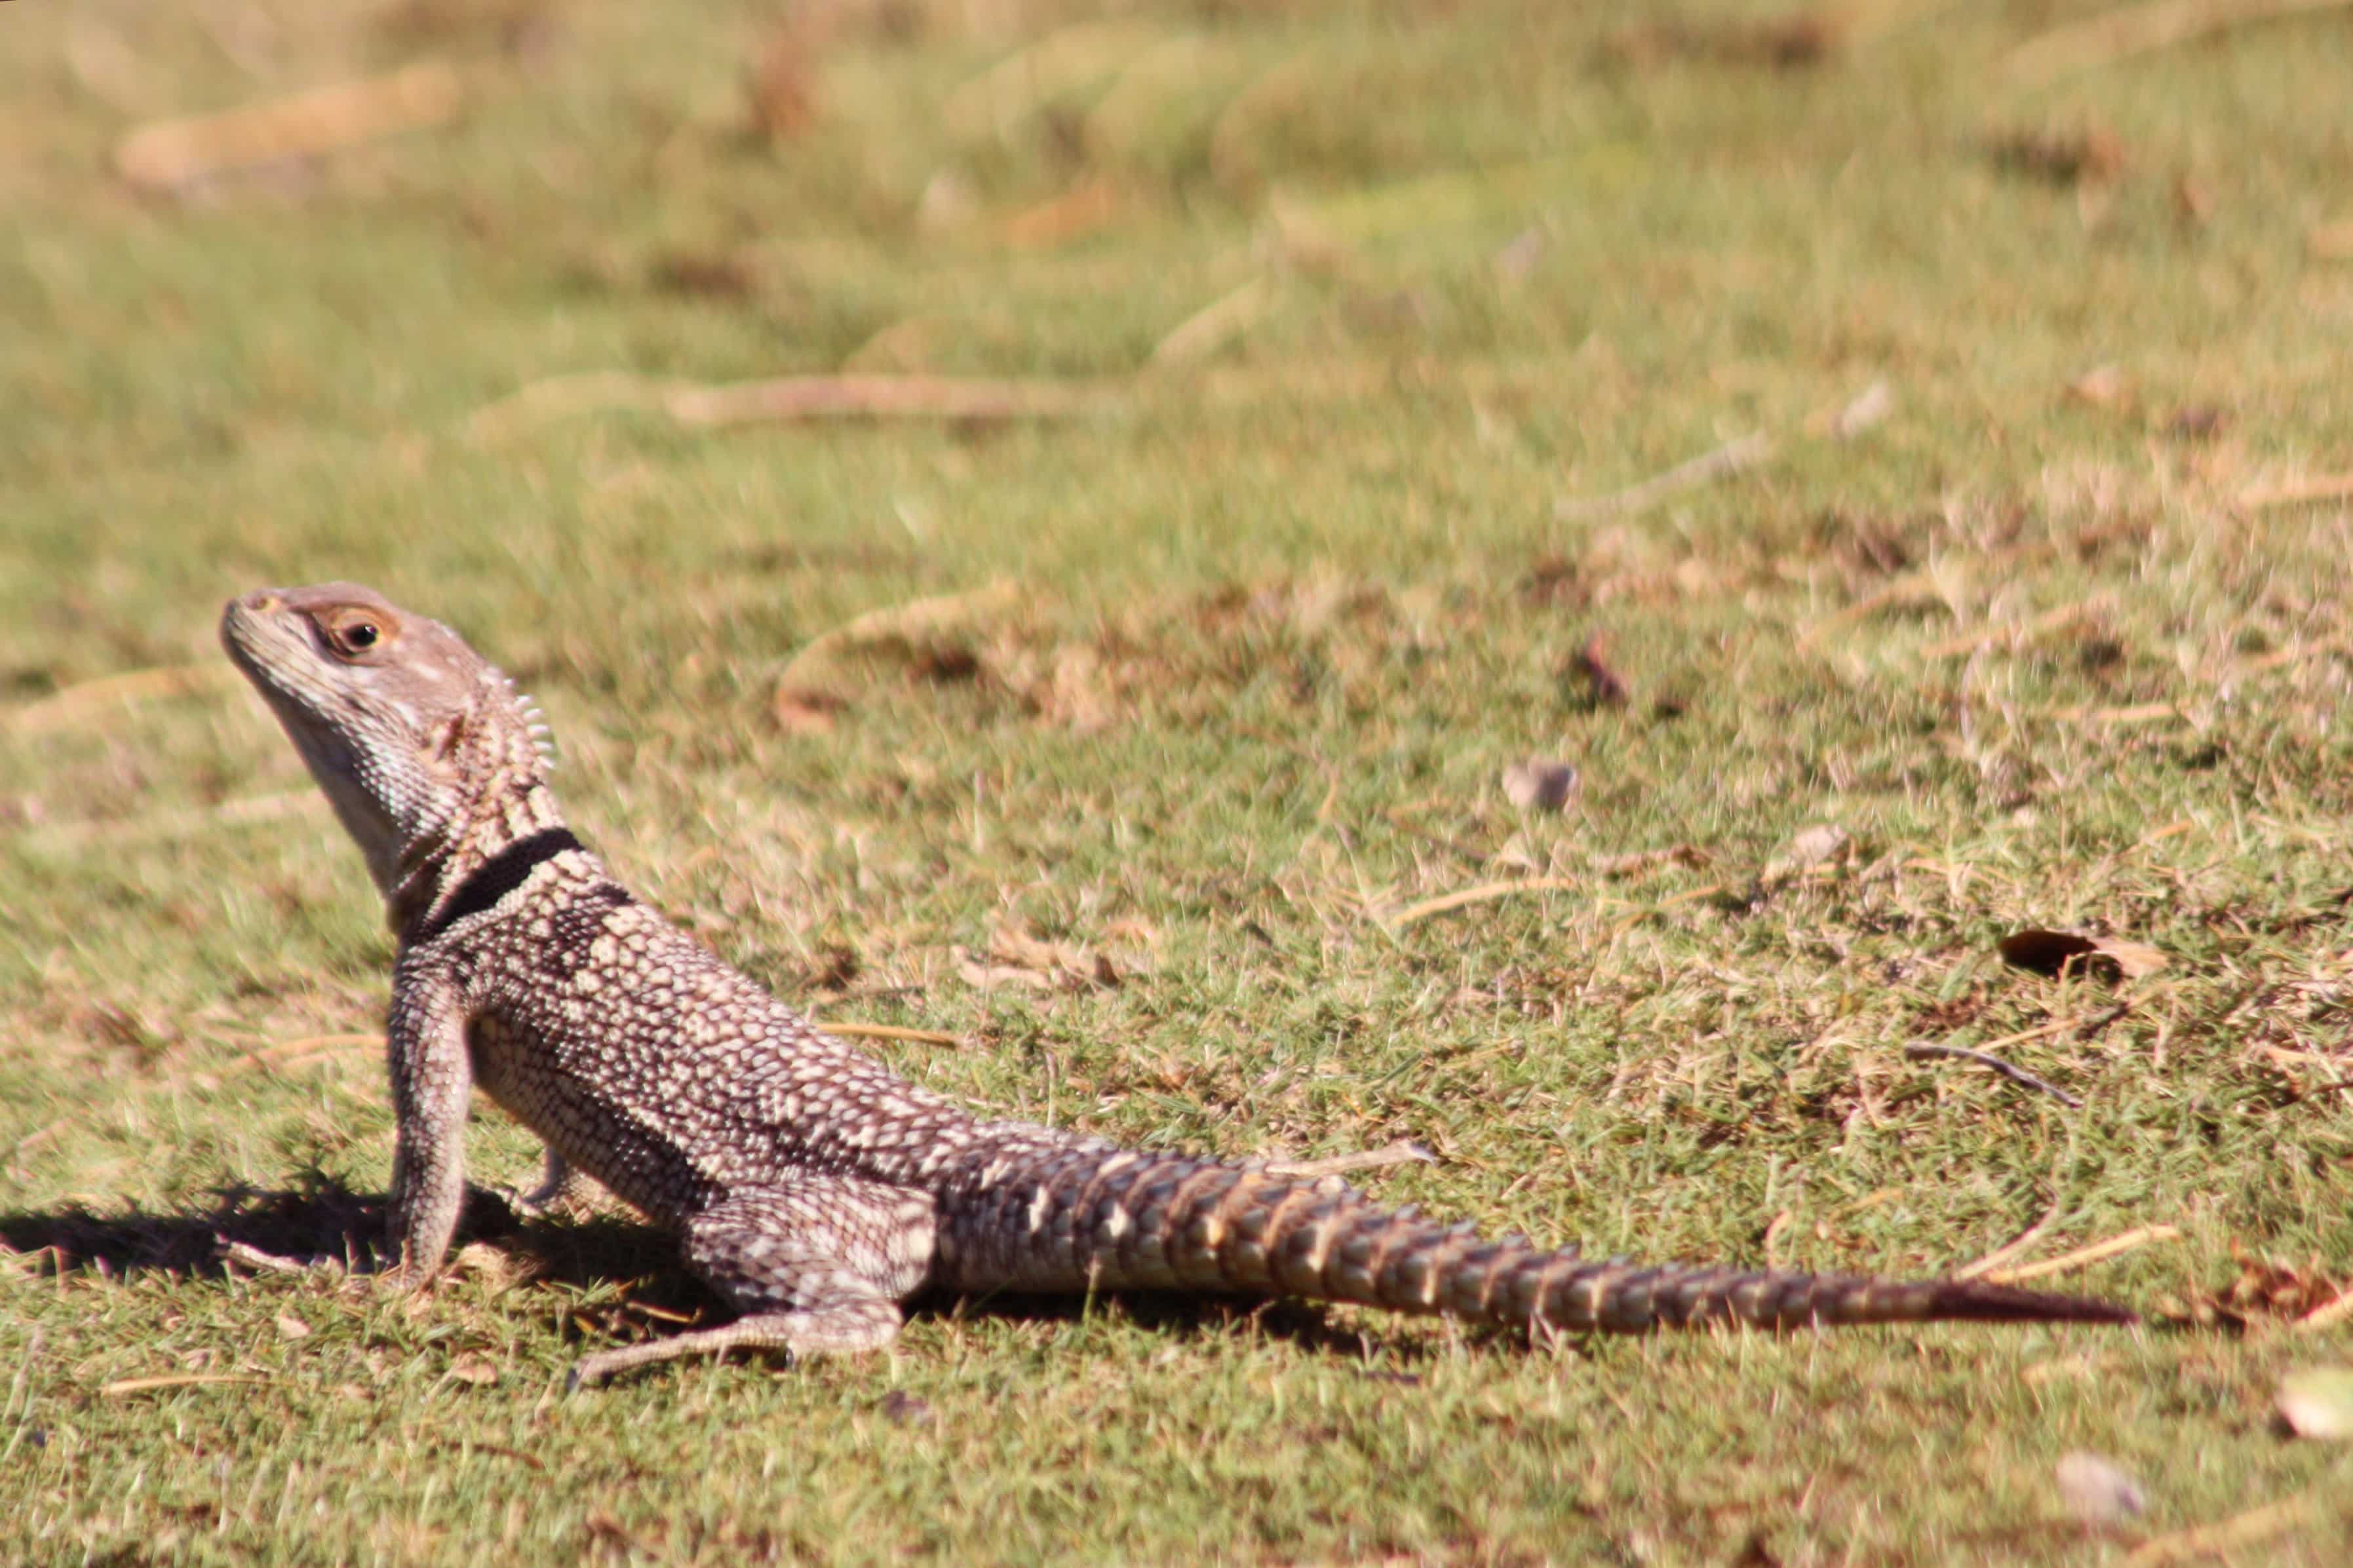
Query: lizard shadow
{"points": [[323, 1218], [320, 1218]]}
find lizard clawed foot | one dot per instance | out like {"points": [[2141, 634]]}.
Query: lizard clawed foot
{"points": [[402, 1279], [840, 1329], [246, 1255], [554, 1188], [591, 1370]]}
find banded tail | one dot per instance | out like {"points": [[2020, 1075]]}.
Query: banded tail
{"points": [[1115, 1219]]}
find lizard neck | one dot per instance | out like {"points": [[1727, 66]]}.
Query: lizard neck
{"points": [[499, 834]]}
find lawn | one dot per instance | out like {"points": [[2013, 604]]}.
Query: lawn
{"points": [[1898, 463]]}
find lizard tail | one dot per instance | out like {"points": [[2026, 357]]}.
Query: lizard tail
{"points": [[1129, 1220]]}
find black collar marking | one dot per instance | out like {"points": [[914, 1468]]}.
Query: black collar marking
{"points": [[499, 875]]}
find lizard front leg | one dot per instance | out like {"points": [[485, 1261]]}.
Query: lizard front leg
{"points": [[817, 1266], [431, 1080]]}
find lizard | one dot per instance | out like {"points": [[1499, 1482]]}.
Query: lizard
{"points": [[811, 1187]]}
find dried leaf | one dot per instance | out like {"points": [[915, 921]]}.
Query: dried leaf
{"points": [[1515, 261], [1865, 409], [477, 1370], [2266, 1290], [700, 275], [2196, 422], [2091, 155], [2103, 386], [290, 1327], [806, 712], [2135, 959], [1062, 965], [781, 89], [2318, 1402], [928, 632], [1539, 785], [1816, 845], [1084, 209], [1609, 687], [2097, 1490], [2055, 952], [2330, 241], [988, 976], [904, 1409]]}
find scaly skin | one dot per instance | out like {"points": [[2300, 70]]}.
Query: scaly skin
{"points": [[812, 1187]]}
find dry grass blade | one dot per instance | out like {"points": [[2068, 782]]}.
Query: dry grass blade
{"points": [[1487, 892], [1920, 1050], [2294, 492], [561, 396], [783, 400], [1363, 1160], [1056, 64], [2017, 1247], [181, 824], [1732, 457], [172, 153], [2041, 626], [883, 1032], [916, 621], [2219, 1540], [285, 1053], [1216, 324], [795, 397], [75, 703], [2097, 1252], [184, 1379], [2133, 30]]}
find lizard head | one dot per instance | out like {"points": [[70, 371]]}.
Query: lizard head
{"points": [[414, 736]]}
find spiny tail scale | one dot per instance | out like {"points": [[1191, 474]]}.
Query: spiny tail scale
{"points": [[1116, 1218]]}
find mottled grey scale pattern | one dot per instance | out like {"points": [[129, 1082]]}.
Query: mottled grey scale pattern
{"points": [[812, 1187]]}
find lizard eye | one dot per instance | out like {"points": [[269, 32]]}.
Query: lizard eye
{"points": [[352, 633]]}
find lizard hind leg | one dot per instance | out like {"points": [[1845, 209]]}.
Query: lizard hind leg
{"points": [[816, 1267]]}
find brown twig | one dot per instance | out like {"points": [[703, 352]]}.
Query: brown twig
{"points": [[1919, 1049]]}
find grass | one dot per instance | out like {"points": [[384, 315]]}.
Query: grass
{"points": [[1283, 610]]}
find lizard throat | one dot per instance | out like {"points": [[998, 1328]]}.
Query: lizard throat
{"points": [[496, 878]]}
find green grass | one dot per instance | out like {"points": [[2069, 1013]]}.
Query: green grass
{"points": [[1284, 613]]}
